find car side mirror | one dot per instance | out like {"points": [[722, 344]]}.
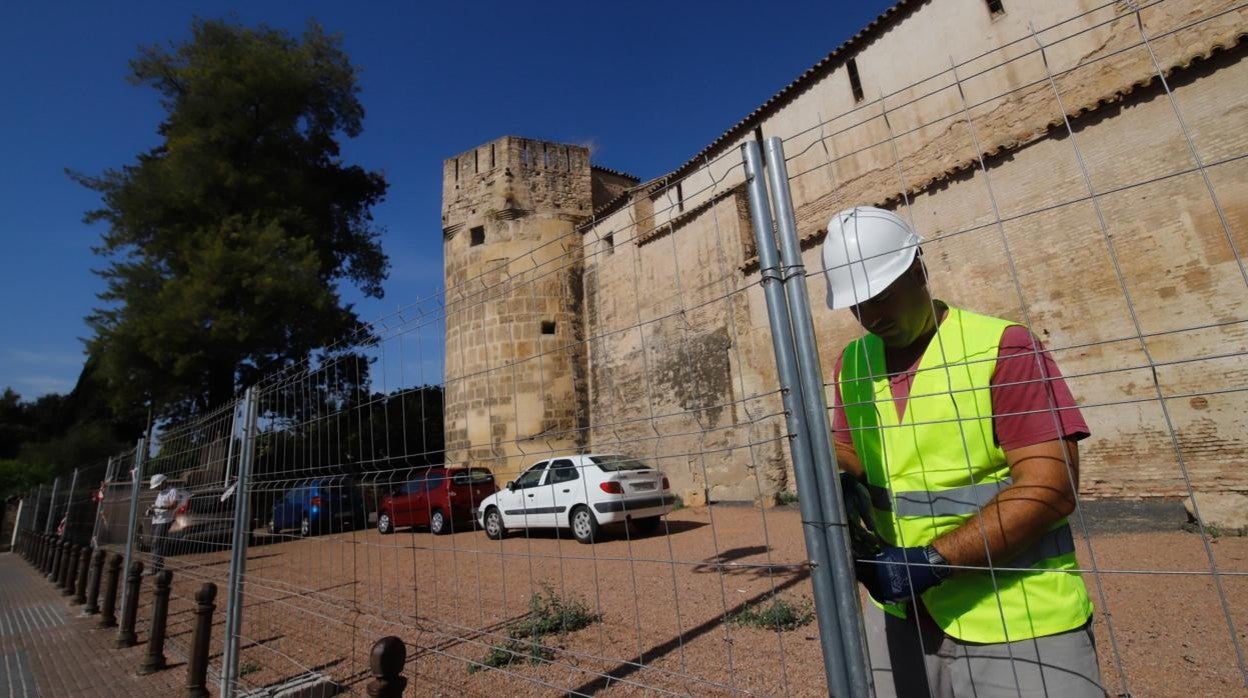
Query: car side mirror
{"points": [[511, 486]]}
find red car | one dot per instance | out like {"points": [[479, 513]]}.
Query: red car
{"points": [[436, 498]]}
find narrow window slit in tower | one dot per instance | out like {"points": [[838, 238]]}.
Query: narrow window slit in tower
{"points": [[995, 7], [855, 83], [548, 326], [609, 238], [477, 236]]}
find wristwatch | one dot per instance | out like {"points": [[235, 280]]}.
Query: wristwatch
{"points": [[940, 566]]}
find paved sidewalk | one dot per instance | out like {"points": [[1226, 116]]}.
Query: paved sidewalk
{"points": [[48, 649]]}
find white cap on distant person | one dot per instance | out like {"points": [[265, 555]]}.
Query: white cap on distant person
{"points": [[158, 480], [866, 249]]}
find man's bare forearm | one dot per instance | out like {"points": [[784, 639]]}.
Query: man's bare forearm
{"points": [[1042, 493]]}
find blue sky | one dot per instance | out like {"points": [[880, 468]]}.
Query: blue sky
{"points": [[645, 84]]}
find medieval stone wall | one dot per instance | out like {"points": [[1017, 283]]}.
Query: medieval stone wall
{"points": [[675, 252], [1129, 274], [515, 383]]}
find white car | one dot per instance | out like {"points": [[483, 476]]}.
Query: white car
{"points": [[581, 493]]}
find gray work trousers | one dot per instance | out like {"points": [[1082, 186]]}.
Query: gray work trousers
{"points": [[914, 658]]}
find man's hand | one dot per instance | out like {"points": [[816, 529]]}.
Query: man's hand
{"points": [[899, 574]]}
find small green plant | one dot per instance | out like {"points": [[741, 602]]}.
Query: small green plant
{"points": [[514, 652], [248, 668], [549, 614], [777, 614], [786, 497], [678, 504]]}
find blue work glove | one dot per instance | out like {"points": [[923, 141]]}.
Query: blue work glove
{"points": [[900, 574]]}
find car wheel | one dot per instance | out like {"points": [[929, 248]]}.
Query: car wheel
{"points": [[305, 527], [438, 525], [384, 525], [647, 525], [584, 525], [494, 529], [272, 527]]}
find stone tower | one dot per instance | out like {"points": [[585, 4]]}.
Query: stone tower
{"points": [[515, 352]]}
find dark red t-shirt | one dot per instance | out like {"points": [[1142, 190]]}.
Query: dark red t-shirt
{"points": [[1026, 395]]}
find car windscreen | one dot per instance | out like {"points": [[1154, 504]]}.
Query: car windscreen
{"points": [[473, 476], [615, 463]]}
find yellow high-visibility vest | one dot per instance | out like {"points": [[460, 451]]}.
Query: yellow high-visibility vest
{"points": [[937, 466]]}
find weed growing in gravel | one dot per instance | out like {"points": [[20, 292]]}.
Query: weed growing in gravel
{"points": [[248, 668], [786, 498], [778, 614], [514, 652], [549, 614]]}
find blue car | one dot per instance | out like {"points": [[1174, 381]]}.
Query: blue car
{"points": [[320, 505]]}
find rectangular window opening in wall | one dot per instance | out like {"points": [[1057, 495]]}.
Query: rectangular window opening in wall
{"points": [[995, 7], [476, 161], [680, 198], [456, 169], [548, 326], [855, 83], [758, 136], [476, 236], [609, 238], [491, 156]]}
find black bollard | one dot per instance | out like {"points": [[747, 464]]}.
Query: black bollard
{"points": [[386, 663], [80, 587], [69, 572], [58, 562], [155, 659], [92, 599], [108, 610], [197, 669], [130, 609]]}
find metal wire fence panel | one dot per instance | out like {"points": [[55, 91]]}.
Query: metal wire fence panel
{"points": [[1056, 178]]}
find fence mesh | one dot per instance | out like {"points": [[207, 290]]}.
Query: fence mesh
{"points": [[570, 472]]}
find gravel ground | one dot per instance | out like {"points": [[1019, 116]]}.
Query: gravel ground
{"points": [[320, 603]]}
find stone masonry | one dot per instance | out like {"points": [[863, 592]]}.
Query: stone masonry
{"points": [[1107, 243]]}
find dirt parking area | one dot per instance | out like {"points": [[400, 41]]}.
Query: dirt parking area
{"points": [[318, 604]]}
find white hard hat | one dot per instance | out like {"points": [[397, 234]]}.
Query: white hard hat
{"points": [[158, 480], [866, 249]]}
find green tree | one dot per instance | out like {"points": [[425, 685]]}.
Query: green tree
{"points": [[228, 242]]}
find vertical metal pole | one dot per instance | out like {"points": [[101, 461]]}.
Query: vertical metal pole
{"points": [[822, 582], [47, 526], [69, 500], [99, 506], [140, 449], [34, 519], [238, 551], [17, 526], [810, 373]]}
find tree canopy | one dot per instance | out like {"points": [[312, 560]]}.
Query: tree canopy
{"points": [[228, 242]]}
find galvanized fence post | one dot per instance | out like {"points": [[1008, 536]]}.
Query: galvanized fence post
{"points": [[813, 529], [140, 450], [69, 501], [238, 550], [17, 525], [47, 525], [810, 372], [34, 517], [99, 505]]}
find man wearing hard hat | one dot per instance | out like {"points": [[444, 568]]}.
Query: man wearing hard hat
{"points": [[168, 502], [959, 438]]}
